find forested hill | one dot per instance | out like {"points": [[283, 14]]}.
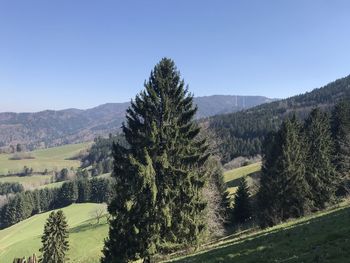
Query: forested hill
{"points": [[51, 128], [242, 133]]}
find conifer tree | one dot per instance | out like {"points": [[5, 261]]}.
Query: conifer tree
{"points": [[242, 210], [320, 172], [284, 191], [341, 135], [55, 239], [158, 194]]}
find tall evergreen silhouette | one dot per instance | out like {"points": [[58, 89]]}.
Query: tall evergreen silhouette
{"points": [[55, 239], [242, 210], [284, 191], [341, 134], [158, 203], [320, 172]]}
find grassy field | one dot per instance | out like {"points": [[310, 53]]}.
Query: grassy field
{"points": [[322, 237], [28, 182], [233, 176], [86, 237], [59, 184], [52, 159]]}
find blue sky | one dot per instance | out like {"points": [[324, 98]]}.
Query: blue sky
{"points": [[62, 53]]}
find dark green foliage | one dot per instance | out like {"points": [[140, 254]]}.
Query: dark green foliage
{"points": [[320, 172], [84, 190], [62, 175], [341, 135], [284, 191], [55, 239], [10, 188], [243, 133], [68, 193], [26, 204], [100, 154], [242, 210], [158, 198]]}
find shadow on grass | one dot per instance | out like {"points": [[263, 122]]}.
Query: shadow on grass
{"points": [[308, 241], [235, 182], [87, 225]]}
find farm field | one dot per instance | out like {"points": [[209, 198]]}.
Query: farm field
{"points": [[322, 237], [233, 176], [28, 182], [51, 159], [59, 184], [85, 236]]}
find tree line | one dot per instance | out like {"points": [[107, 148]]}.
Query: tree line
{"points": [[10, 188], [28, 203], [305, 165]]}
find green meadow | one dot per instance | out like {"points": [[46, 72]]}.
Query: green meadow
{"points": [[51, 159], [85, 236], [322, 237], [232, 177]]}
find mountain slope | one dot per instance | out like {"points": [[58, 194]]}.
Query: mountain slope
{"points": [[322, 237], [242, 133], [50, 128]]}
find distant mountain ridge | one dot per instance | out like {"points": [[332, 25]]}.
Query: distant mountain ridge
{"points": [[50, 128], [242, 133]]}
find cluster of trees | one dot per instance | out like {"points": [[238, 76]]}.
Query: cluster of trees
{"points": [[100, 155], [242, 133], [28, 203], [305, 165], [160, 175], [10, 188]]}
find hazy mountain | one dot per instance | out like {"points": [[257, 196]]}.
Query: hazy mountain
{"points": [[49, 128]]}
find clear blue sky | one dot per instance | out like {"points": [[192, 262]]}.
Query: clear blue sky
{"points": [[80, 53]]}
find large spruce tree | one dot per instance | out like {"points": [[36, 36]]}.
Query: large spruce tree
{"points": [[158, 202], [284, 191], [320, 172], [341, 135], [55, 239]]}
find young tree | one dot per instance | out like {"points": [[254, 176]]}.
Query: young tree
{"points": [[55, 239], [98, 213], [158, 184], [242, 210], [320, 172], [284, 191]]}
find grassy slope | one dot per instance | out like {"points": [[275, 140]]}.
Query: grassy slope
{"points": [[86, 238], [322, 237], [51, 159], [232, 177]]}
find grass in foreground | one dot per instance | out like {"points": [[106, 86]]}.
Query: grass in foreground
{"points": [[51, 159], [85, 237], [322, 237]]}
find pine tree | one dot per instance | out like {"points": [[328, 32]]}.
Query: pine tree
{"points": [[158, 184], [320, 172], [242, 210], [284, 191], [55, 239], [68, 193], [341, 135]]}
